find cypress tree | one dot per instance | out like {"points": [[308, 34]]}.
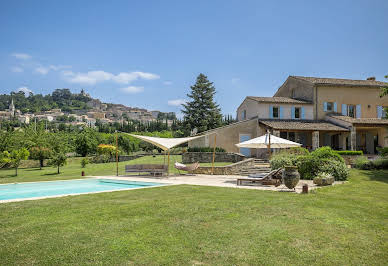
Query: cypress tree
{"points": [[201, 111]]}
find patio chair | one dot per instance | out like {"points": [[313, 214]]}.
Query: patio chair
{"points": [[272, 178]]}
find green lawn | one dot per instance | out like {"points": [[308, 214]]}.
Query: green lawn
{"points": [[185, 225], [73, 169]]}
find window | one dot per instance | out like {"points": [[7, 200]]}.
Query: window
{"points": [[384, 112], [297, 112], [352, 110], [275, 112], [330, 107], [244, 114]]}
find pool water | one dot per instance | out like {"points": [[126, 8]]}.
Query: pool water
{"points": [[65, 187]]}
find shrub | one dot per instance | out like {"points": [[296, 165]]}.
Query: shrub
{"points": [[105, 149], [205, 149], [84, 162], [349, 152], [327, 153], [308, 166], [337, 169], [381, 163], [383, 151], [363, 163]]}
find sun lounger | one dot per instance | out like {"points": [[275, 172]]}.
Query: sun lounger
{"points": [[272, 178]]}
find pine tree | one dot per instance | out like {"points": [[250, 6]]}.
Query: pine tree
{"points": [[201, 112]]}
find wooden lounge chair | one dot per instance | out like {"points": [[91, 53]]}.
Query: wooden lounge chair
{"points": [[153, 169], [272, 178]]}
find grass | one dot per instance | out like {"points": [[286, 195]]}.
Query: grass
{"points": [[73, 169], [185, 225]]}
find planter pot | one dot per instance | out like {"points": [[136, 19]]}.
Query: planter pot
{"points": [[323, 181], [291, 176]]}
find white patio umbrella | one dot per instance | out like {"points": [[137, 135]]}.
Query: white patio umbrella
{"points": [[268, 141]]}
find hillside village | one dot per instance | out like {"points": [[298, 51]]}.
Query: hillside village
{"points": [[96, 111]]}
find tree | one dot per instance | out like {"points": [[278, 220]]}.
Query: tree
{"points": [[86, 143], [16, 157], [40, 154], [201, 112], [58, 160]]}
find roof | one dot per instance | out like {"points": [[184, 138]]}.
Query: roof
{"points": [[309, 125], [365, 121], [342, 82], [277, 100]]}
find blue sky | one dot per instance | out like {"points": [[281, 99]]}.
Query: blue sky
{"points": [[148, 53]]}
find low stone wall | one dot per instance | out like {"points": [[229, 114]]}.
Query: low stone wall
{"points": [[350, 159], [231, 169], [207, 157]]}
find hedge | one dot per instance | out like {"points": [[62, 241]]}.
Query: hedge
{"points": [[205, 149], [349, 152]]}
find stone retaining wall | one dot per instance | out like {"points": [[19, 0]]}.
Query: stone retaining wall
{"points": [[231, 169], [207, 157]]}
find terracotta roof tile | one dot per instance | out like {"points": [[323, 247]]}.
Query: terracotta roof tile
{"points": [[352, 120], [277, 100], [308, 125], [342, 82]]}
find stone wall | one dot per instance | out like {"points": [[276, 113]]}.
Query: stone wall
{"points": [[207, 157], [231, 169]]}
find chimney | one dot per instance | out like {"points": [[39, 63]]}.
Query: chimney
{"points": [[371, 78]]}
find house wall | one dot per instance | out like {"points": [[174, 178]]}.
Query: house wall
{"points": [[228, 136], [297, 89], [261, 110], [350, 95]]}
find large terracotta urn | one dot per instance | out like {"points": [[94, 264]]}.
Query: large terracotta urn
{"points": [[291, 176]]}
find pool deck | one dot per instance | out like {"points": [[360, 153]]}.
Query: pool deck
{"points": [[216, 181], [229, 181]]}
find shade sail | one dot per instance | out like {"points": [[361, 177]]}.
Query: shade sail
{"points": [[165, 143], [263, 142]]}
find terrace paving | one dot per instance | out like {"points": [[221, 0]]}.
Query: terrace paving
{"points": [[216, 181]]}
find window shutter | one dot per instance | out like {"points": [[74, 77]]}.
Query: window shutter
{"points": [[358, 110], [302, 110], [379, 111], [335, 107], [271, 111], [325, 106], [344, 109], [292, 112], [281, 112]]}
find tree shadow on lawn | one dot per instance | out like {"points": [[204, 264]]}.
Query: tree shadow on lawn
{"points": [[377, 175], [55, 173]]}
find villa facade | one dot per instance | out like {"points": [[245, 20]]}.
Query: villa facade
{"points": [[341, 113]]}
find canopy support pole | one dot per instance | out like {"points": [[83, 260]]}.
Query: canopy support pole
{"points": [[214, 152], [168, 164], [269, 144], [117, 154]]}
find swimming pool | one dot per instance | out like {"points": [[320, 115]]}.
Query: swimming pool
{"points": [[31, 190]]}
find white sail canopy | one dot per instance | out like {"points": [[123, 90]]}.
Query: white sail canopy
{"points": [[267, 139], [165, 143]]}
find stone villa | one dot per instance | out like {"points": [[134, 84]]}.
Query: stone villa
{"points": [[341, 113]]}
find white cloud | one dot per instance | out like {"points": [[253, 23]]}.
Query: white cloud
{"points": [[176, 102], [17, 69], [44, 70], [21, 56], [235, 80], [132, 89], [167, 82], [25, 90], [93, 77]]}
